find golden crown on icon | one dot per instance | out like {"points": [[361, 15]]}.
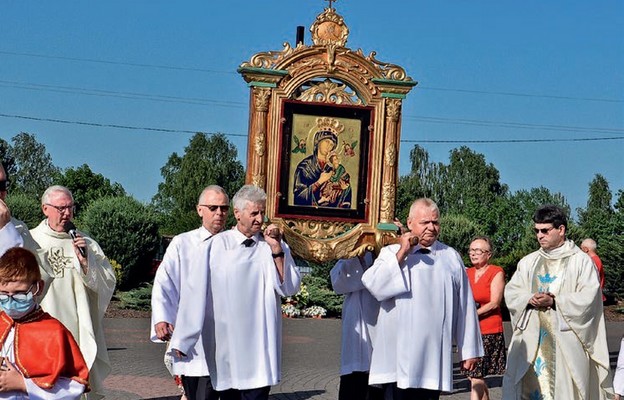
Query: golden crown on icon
{"points": [[329, 124]]}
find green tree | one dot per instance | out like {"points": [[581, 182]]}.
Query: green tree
{"points": [[619, 202], [25, 208], [87, 186], [605, 224], [8, 162], [457, 231], [471, 186], [598, 209], [34, 169], [612, 250], [207, 160], [468, 185], [127, 231], [512, 230], [422, 181]]}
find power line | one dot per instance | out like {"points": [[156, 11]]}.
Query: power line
{"points": [[533, 95], [123, 95], [99, 61], [236, 104], [504, 124], [216, 71], [101, 125], [600, 139]]}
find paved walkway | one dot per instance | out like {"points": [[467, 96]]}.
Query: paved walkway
{"points": [[311, 351]]}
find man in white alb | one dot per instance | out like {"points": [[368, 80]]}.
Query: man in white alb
{"points": [[359, 317], [426, 307], [234, 302], [175, 268]]}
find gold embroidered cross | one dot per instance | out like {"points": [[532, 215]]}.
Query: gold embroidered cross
{"points": [[330, 2], [58, 261]]}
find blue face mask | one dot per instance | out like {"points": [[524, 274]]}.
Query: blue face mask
{"points": [[18, 305]]}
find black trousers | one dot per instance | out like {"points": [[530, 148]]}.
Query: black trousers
{"points": [[247, 394], [354, 386], [392, 392], [199, 388]]}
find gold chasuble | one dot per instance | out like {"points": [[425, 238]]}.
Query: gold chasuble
{"points": [[559, 352], [539, 381]]}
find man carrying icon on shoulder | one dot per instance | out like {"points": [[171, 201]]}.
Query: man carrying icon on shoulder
{"points": [[233, 305]]}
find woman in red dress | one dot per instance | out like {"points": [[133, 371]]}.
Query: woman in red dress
{"points": [[488, 283]]}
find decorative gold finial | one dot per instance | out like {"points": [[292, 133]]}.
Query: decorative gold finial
{"points": [[329, 28], [330, 2]]}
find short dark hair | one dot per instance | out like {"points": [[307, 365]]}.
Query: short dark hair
{"points": [[550, 214]]}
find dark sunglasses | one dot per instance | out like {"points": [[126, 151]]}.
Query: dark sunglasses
{"points": [[4, 185], [543, 230], [213, 208]]}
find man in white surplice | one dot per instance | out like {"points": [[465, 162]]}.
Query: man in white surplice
{"points": [[81, 286], [359, 317], [559, 345], [233, 303], [212, 208], [426, 306]]}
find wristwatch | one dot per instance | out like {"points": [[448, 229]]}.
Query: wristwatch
{"points": [[277, 255]]}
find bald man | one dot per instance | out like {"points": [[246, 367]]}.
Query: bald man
{"points": [[175, 269]]}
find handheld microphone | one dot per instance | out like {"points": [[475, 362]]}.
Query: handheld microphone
{"points": [[70, 228]]}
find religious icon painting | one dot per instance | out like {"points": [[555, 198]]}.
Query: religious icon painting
{"points": [[324, 161]]}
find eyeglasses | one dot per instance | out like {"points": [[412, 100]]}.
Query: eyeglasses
{"points": [[21, 296], [4, 185], [543, 230], [62, 209], [213, 208], [478, 251]]}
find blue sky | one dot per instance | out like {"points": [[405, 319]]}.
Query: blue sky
{"points": [[487, 71]]}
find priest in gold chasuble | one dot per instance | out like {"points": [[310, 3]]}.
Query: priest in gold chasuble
{"points": [[559, 344]]}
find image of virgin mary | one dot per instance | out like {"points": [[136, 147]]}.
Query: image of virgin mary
{"points": [[314, 173]]}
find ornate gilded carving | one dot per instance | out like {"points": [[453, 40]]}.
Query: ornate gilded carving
{"points": [[330, 73], [360, 250], [393, 109], [321, 250], [329, 29], [354, 70], [259, 144], [330, 92], [318, 229], [261, 99], [387, 202], [390, 156], [258, 180], [384, 238], [269, 59], [331, 58], [389, 71]]}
